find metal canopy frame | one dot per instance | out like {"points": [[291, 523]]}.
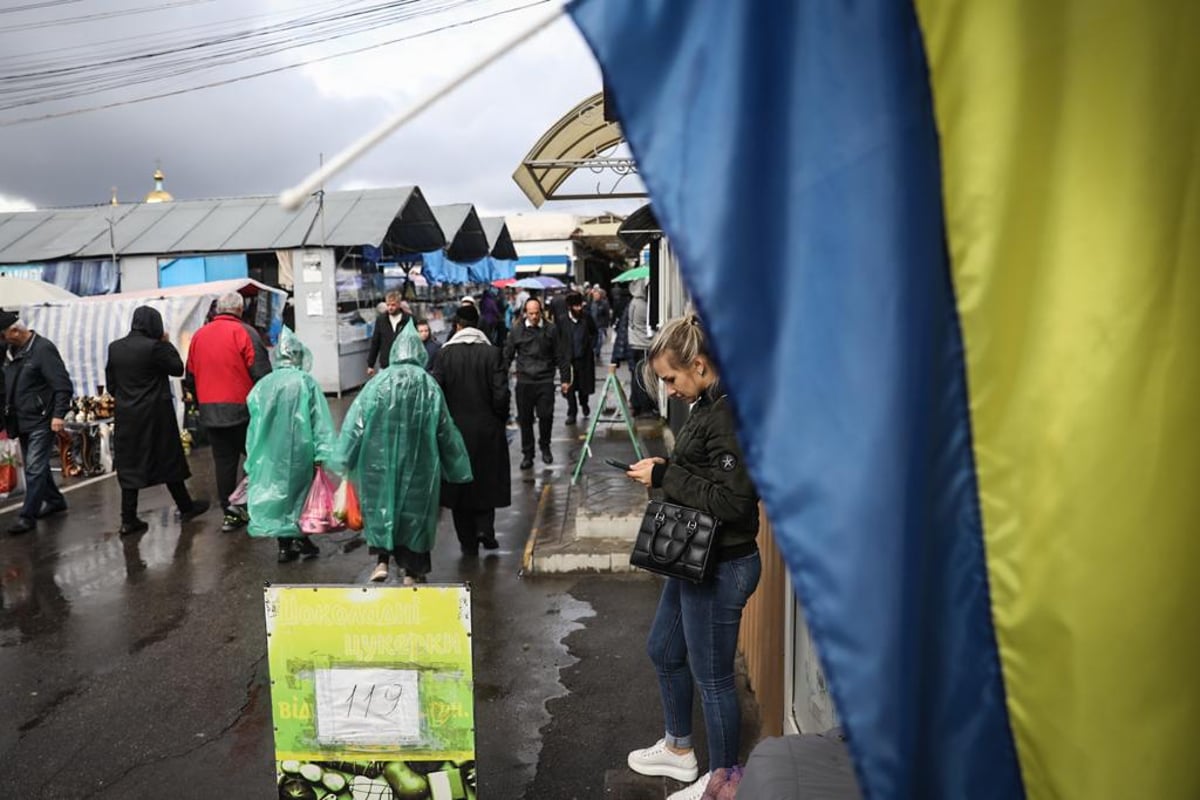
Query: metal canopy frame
{"points": [[581, 139]]}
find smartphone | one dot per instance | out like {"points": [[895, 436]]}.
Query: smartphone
{"points": [[612, 462]]}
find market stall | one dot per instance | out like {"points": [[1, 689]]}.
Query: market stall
{"points": [[82, 329]]}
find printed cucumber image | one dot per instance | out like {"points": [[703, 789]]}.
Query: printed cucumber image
{"points": [[376, 780]]}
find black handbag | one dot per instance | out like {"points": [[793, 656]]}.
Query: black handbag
{"points": [[675, 541]]}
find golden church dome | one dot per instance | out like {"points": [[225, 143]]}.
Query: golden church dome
{"points": [[159, 195]]}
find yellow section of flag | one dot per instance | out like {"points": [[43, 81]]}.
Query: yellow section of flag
{"points": [[1070, 136]]}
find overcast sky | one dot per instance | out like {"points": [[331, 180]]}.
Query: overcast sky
{"points": [[262, 135]]}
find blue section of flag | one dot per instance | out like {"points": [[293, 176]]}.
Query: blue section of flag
{"points": [[791, 156]]}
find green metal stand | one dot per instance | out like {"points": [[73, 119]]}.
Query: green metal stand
{"points": [[611, 384]]}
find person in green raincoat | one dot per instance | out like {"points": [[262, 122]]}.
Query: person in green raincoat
{"points": [[397, 444], [290, 432]]}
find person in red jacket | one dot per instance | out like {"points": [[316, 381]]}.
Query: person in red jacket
{"points": [[225, 359]]}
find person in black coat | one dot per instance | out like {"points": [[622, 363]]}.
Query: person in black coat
{"points": [[387, 325], [533, 343], [146, 446], [576, 339], [472, 374], [37, 394]]}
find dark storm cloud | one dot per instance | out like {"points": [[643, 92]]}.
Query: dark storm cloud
{"points": [[263, 135]]}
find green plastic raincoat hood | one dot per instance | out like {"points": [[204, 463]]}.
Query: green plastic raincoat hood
{"points": [[397, 444], [291, 352], [290, 430]]}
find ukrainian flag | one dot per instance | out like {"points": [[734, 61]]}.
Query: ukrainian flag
{"points": [[949, 253]]}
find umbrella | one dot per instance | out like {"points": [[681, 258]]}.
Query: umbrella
{"points": [[550, 283], [529, 283], [637, 273], [503, 282]]}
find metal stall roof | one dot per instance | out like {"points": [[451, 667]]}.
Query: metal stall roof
{"points": [[499, 239], [467, 243], [398, 216]]}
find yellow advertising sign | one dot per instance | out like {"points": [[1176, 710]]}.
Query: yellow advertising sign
{"points": [[371, 692]]}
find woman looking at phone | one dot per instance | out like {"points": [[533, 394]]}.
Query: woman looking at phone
{"points": [[693, 639]]}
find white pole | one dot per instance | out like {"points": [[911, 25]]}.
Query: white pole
{"points": [[291, 199]]}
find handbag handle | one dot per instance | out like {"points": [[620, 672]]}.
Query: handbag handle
{"points": [[659, 520]]}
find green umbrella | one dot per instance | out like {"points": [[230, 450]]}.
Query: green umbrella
{"points": [[632, 274]]}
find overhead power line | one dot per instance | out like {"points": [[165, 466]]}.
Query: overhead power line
{"points": [[271, 71]]}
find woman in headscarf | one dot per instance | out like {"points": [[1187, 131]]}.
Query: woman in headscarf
{"points": [[147, 449], [290, 434], [397, 443]]}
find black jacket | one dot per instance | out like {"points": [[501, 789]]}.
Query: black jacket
{"points": [[382, 338], [707, 471], [583, 368], [475, 382], [146, 445], [537, 353], [37, 387]]}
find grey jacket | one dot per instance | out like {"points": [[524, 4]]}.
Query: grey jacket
{"points": [[639, 318]]}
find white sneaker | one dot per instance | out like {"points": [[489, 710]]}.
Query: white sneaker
{"points": [[380, 573], [658, 760], [693, 792]]}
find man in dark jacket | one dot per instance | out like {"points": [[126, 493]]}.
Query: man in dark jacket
{"points": [[226, 358], [474, 380], [601, 313], [533, 342], [37, 395], [146, 447], [576, 338], [387, 325]]}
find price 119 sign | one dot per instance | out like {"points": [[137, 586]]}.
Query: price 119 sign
{"points": [[371, 691]]}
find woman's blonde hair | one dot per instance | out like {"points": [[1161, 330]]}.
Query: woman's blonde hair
{"points": [[681, 341]]}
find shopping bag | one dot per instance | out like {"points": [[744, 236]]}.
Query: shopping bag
{"points": [[10, 466], [346, 508], [317, 516], [241, 493], [339, 501], [354, 520]]}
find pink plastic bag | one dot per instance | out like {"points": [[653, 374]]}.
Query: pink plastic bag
{"points": [[317, 516], [241, 493]]}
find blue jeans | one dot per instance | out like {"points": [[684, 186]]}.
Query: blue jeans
{"points": [[36, 447], [693, 641]]}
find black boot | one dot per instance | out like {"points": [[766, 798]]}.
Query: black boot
{"points": [[307, 549], [287, 551]]}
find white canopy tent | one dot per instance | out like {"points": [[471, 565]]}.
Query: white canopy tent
{"points": [[82, 328], [16, 292]]}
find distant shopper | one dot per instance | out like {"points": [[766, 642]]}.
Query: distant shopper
{"points": [[387, 325], [397, 444], [491, 317], [290, 434], [226, 358], [147, 449], [432, 348], [472, 375], [533, 344], [576, 342], [37, 394], [601, 313], [639, 341]]}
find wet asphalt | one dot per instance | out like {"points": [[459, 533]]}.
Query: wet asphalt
{"points": [[135, 667]]}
